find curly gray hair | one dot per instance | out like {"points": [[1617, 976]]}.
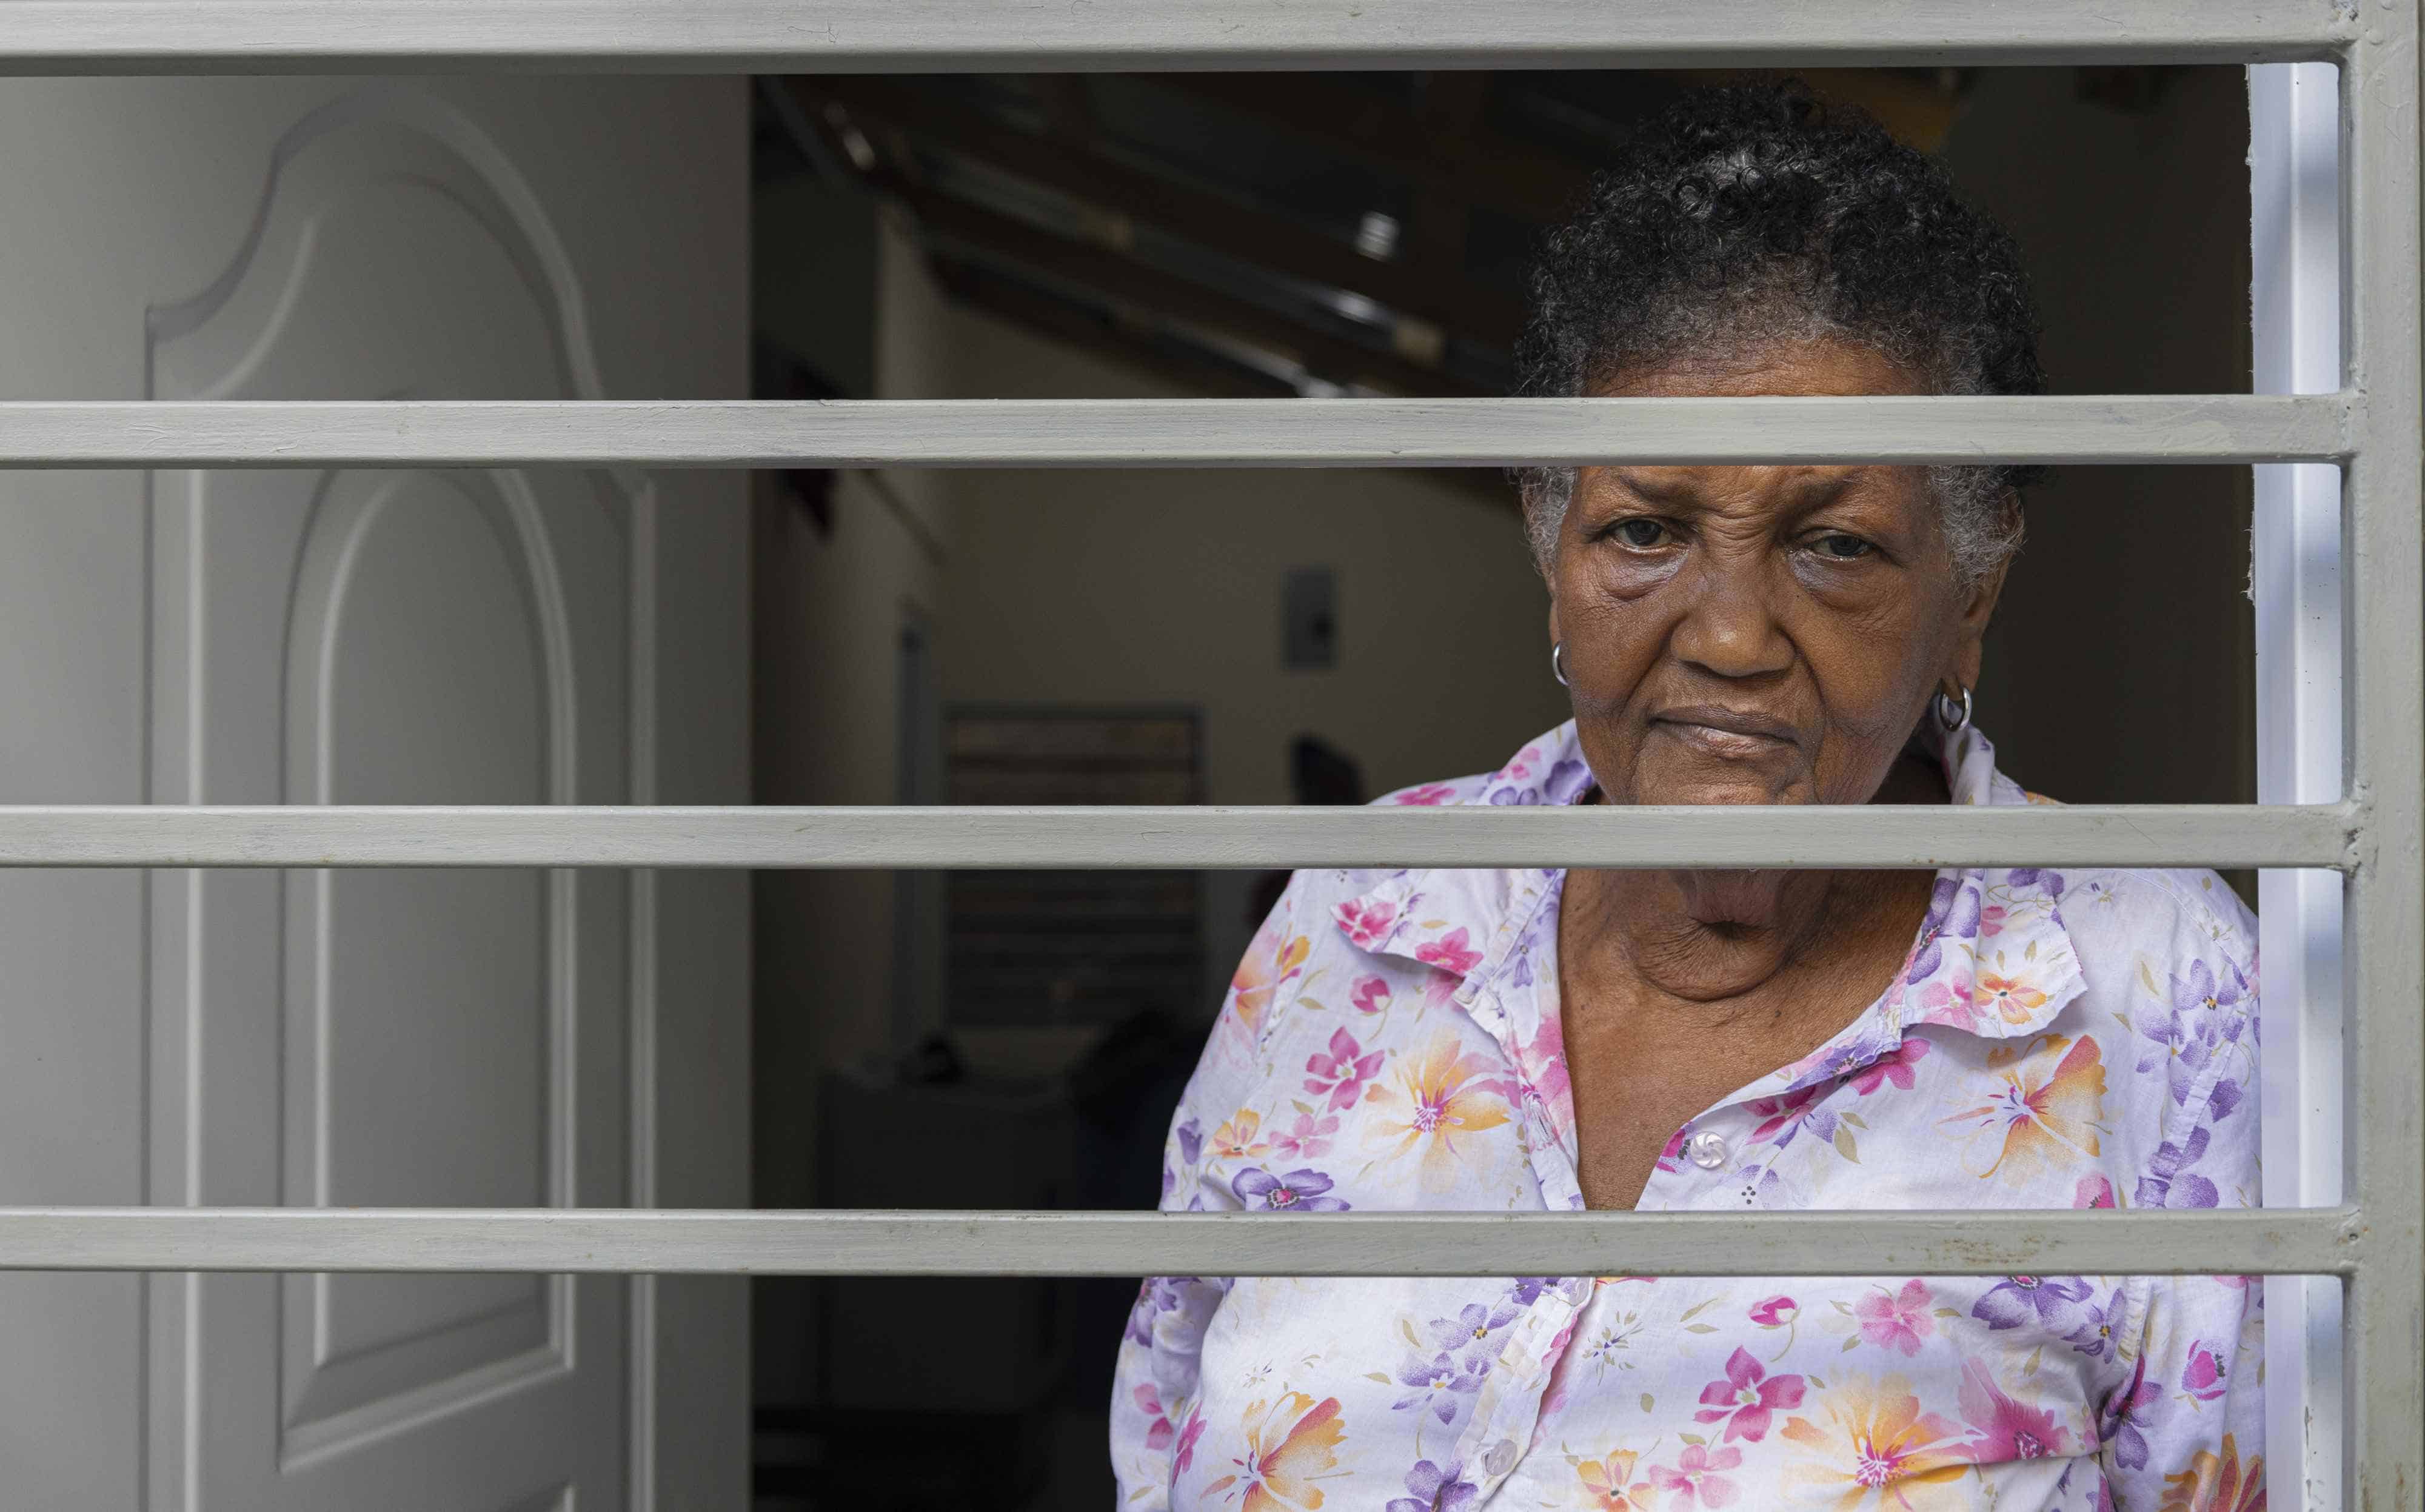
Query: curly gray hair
{"points": [[1751, 217]]}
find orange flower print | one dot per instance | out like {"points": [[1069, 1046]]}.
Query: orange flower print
{"points": [[1241, 1138], [2217, 1483], [1434, 1099], [1871, 1446], [2012, 998], [2046, 1114], [1290, 1445], [1611, 1484], [1269, 963]]}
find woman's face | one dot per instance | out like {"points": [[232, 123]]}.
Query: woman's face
{"points": [[1757, 635]]}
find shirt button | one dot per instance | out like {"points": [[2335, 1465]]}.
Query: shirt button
{"points": [[1708, 1149]]}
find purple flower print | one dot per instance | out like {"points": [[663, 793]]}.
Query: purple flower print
{"points": [[1191, 1141], [2095, 1335], [1527, 1289], [1747, 1398], [1342, 1071], [1437, 1383], [1296, 1191], [2226, 1095], [1472, 1329], [2048, 882], [2129, 1415], [1437, 1489], [1566, 781], [2169, 1183], [2188, 1037], [2050, 1302], [1953, 910], [1514, 797]]}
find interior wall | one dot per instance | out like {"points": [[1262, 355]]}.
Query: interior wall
{"points": [[2121, 667]]}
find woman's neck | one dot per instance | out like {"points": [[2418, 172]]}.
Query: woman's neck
{"points": [[1706, 937]]}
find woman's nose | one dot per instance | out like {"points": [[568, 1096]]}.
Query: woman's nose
{"points": [[1732, 630]]}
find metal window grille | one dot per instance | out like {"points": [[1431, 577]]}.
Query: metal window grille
{"points": [[2371, 836]]}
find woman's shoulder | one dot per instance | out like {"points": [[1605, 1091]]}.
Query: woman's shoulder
{"points": [[2189, 913]]}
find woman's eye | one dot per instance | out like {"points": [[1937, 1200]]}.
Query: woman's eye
{"points": [[1640, 531], [1842, 548]]}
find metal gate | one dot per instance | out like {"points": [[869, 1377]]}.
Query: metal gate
{"points": [[2369, 430]]}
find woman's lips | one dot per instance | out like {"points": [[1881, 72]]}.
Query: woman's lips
{"points": [[1734, 735]]}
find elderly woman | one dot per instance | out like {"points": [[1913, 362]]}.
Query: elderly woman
{"points": [[1766, 1041]]}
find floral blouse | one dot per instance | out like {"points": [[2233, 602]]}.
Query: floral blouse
{"points": [[1391, 1042]]}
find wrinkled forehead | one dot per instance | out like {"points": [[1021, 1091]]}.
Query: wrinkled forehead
{"points": [[1821, 366], [1872, 490]]}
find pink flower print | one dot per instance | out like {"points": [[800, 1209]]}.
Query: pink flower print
{"points": [[1894, 1067], [1148, 1402], [1674, 1148], [1450, 954], [1307, 1138], [1429, 795], [1366, 921], [1187, 1437], [1693, 1479], [1371, 995], [2202, 1378], [1948, 1003], [1900, 1321], [1991, 920], [1785, 1115], [1747, 1398], [1778, 1312], [2002, 1429], [2093, 1192], [1343, 1070]]}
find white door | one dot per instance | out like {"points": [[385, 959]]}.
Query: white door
{"points": [[428, 1037]]}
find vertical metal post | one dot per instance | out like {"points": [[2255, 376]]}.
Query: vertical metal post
{"points": [[2295, 273], [2384, 727]]}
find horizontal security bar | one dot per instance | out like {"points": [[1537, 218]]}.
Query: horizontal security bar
{"points": [[1177, 432], [2319, 835], [828, 36], [893, 1243]]}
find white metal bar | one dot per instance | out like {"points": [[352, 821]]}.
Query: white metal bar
{"points": [[831, 35], [2385, 738], [1175, 432], [2294, 163], [893, 1243], [1615, 836]]}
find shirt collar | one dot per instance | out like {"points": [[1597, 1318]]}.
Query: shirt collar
{"points": [[1992, 958]]}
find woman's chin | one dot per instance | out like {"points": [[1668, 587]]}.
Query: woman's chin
{"points": [[1729, 788]]}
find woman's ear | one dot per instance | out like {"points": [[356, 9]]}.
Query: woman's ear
{"points": [[1978, 609]]}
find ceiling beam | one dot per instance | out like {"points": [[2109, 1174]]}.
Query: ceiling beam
{"points": [[1260, 237]]}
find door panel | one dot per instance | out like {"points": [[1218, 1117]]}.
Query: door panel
{"points": [[411, 1038]]}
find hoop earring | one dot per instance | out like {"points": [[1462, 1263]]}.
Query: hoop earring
{"points": [[1950, 718], [1558, 663]]}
